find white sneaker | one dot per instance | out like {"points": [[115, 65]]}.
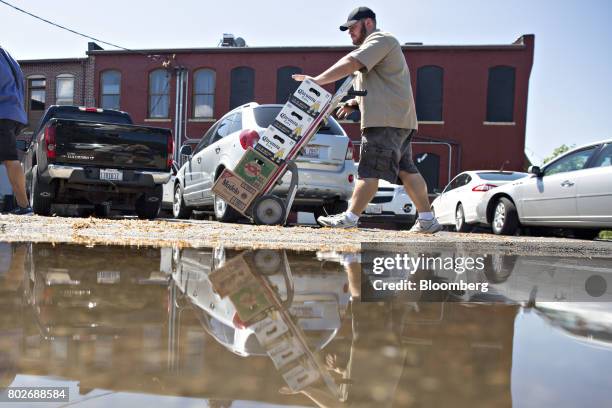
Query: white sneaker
{"points": [[337, 221], [426, 226]]}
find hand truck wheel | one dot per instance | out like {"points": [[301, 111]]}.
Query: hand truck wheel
{"points": [[269, 210]]}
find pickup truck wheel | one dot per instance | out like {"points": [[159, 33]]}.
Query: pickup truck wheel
{"points": [[224, 212], [41, 194], [505, 218], [179, 209], [147, 209]]}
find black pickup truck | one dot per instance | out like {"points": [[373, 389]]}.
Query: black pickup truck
{"points": [[93, 156]]}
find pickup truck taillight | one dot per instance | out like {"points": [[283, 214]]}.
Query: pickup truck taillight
{"points": [[248, 138], [170, 151], [50, 142]]}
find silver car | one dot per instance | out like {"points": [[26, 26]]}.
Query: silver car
{"points": [[325, 166], [573, 191]]}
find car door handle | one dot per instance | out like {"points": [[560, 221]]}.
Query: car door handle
{"points": [[567, 183], [199, 160], [217, 150]]}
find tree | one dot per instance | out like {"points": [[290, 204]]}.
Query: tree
{"points": [[558, 151]]}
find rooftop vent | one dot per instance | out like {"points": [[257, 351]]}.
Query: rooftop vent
{"points": [[229, 40]]}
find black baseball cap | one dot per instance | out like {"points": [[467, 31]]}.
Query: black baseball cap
{"points": [[356, 15]]}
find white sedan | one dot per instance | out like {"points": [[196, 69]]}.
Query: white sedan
{"points": [[456, 206], [574, 191]]}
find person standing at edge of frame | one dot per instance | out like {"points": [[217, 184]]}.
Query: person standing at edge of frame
{"points": [[388, 119], [12, 119]]}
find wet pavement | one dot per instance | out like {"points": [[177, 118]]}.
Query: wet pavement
{"points": [[144, 326]]}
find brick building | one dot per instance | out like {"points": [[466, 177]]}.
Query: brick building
{"points": [[471, 100], [57, 82]]}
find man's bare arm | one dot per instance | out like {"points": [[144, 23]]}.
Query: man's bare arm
{"points": [[343, 68]]}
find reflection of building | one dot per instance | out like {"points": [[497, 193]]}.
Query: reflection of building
{"points": [[471, 100]]}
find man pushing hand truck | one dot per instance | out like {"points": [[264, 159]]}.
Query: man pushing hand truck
{"points": [[388, 119]]}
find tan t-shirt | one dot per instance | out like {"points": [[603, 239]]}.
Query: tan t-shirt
{"points": [[386, 77]]}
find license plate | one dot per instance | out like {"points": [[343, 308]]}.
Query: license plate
{"points": [[111, 174], [311, 152], [374, 209], [108, 277]]}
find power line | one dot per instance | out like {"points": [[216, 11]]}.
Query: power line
{"points": [[154, 57]]}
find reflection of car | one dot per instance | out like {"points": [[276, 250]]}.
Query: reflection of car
{"points": [[316, 298], [390, 204], [326, 167], [573, 191], [456, 205], [168, 195]]}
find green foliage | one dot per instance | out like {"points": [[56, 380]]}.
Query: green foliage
{"points": [[558, 151]]}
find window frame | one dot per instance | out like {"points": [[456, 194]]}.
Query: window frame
{"points": [[195, 94], [165, 93], [490, 102], [62, 77], [233, 72], [42, 88], [103, 94], [427, 92]]}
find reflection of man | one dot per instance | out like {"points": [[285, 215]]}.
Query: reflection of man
{"points": [[388, 119], [12, 119]]}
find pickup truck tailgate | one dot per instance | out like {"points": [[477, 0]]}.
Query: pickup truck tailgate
{"points": [[111, 145]]}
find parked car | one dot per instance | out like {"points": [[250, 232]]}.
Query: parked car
{"points": [[573, 191], [97, 157], [168, 187], [456, 205], [325, 166], [391, 204]]}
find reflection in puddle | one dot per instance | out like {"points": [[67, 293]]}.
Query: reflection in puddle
{"points": [[121, 325]]}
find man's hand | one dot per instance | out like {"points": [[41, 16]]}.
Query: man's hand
{"points": [[345, 110], [302, 77]]}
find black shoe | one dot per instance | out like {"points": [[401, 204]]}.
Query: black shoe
{"points": [[22, 211]]}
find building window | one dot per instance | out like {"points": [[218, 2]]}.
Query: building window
{"points": [[242, 86], [111, 89], [430, 80], [204, 93], [500, 94], [159, 94], [38, 93], [285, 85], [64, 89]]}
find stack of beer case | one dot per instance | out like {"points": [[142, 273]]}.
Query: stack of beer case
{"points": [[259, 308], [262, 165]]}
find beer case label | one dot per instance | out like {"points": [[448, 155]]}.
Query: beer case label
{"points": [[232, 276], [285, 351], [292, 121], [250, 301], [274, 145], [234, 190], [301, 376], [269, 329], [255, 168], [310, 98]]}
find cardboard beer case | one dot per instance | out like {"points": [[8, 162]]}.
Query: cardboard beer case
{"points": [[274, 145], [234, 190], [301, 375], [270, 328], [250, 301], [255, 168], [285, 351], [310, 98], [292, 121], [235, 274]]}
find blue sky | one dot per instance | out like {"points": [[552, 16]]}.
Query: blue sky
{"points": [[570, 98]]}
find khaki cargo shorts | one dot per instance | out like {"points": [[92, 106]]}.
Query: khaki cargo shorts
{"points": [[384, 152]]}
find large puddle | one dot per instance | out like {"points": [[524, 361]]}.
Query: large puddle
{"points": [[126, 326]]}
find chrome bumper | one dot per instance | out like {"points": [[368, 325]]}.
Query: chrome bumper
{"points": [[57, 171]]}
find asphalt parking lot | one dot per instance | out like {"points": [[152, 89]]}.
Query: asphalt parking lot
{"points": [[205, 233]]}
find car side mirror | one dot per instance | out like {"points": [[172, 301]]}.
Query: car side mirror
{"points": [[22, 145], [535, 170], [186, 150]]}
